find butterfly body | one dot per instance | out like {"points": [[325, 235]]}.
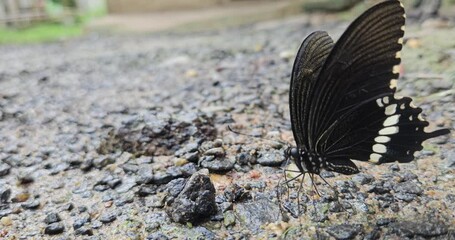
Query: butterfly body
{"points": [[342, 103]]}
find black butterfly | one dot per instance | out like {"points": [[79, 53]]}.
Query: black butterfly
{"points": [[341, 100]]}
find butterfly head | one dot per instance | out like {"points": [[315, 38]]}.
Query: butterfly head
{"points": [[306, 162]]}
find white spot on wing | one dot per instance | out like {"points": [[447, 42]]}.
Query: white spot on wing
{"points": [[385, 100], [379, 148], [379, 102], [382, 139], [374, 157], [393, 83], [400, 40], [391, 120], [391, 109], [388, 131], [398, 55], [420, 117], [396, 68]]}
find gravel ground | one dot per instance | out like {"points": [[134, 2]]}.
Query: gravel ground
{"points": [[125, 137]]}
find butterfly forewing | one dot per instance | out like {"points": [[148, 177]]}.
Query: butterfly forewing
{"points": [[309, 60]]}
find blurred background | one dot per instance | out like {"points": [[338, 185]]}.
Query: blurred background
{"points": [[25, 21]]}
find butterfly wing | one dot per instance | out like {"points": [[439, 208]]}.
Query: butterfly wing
{"points": [[307, 66], [353, 113]]}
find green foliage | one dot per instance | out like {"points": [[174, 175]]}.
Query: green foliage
{"points": [[57, 28], [44, 32]]}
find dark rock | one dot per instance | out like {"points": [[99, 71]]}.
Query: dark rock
{"points": [[451, 198], [425, 228], [68, 207], [108, 197], [374, 234], [175, 186], [52, 218], [244, 158], [5, 194], [127, 184], [345, 231], [217, 152], [54, 228], [217, 165], [327, 174], [378, 188], [407, 197], [124, 199], [408, 187], [107, 182], [363, 178], [5, 212], [107, 217], [450, 158], [84, 231], [236, 193], [97, 224], [25, 178], [191, 157], [408, 176], [191, 147], [32, 204], [102, 162], [195, 202], [157, 236], [257, 213], [162, 177], [271, 158], [130, 168], [87, 164], [81, 221], [384, 221], [335, 207], [394, 167], [60, 167], [145, 174], [146, 190], [188, 169], [4, 169], [82, 209]]}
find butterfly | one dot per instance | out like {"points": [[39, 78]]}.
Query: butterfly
{"points": [[342, 101]]}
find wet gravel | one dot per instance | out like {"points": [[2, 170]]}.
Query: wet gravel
{"points": [[109, 137]]}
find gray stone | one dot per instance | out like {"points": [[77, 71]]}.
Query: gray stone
{"points": [[425, 228], [4, 169], [5, 194], [107, 217], [256, 213], [345, 231], [271, 158], [217, 165], [81, 221], [195, 202], [52, 218], [54, 228], [408, 187], [363, 178]]}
